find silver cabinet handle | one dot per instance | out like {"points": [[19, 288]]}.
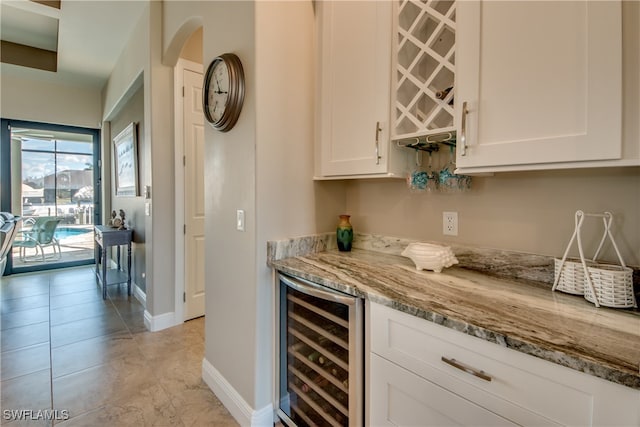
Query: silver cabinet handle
{"points": [[378, 130], [463, 130], [469, 370]]}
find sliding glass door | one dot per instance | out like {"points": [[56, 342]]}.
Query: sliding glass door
{"points": [[54, 187]]}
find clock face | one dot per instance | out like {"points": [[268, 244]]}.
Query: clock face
{"points": [[223, 93], [218, 91]]}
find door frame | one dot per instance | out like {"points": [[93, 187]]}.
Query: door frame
{"points": [[5, 176], [178, 96]]}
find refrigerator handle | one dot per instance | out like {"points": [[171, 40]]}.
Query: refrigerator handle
{"points": [[316, 291]]}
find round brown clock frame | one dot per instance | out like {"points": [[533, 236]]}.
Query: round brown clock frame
{"points": [[223, 93]]}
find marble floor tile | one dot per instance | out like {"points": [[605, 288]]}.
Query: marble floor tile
{"points": [[89, 353], [82, 311], [92, 388], [24, 317], [65, 288], [148, 407], [26, 303], [134, 321], [73, 275], [158, 346], [76, 298], [128, 305], [118, 291], [32, 391], [24, 336], [103, 324], [24, 361], [22, 288], [200, 407], [95, 359]]}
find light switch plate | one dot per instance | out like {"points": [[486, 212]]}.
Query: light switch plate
{"points": [[240, 220]]}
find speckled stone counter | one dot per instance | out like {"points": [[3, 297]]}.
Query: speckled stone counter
{"points": [[522, 315]]}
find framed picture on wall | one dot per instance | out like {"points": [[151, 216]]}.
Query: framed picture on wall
{"points": [[125, 149]]}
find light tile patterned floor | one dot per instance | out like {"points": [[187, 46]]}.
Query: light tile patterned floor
{"points": [[64, 348]]}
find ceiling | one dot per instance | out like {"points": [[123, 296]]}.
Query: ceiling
{"points": [[88, 36]]}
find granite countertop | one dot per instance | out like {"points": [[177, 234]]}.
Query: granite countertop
{"points": [[522, 315]]}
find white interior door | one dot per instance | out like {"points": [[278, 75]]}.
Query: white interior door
{"points": [[193, 195]]}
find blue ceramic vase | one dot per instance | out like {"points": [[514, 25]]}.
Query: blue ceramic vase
{"points": [[344, 234]]}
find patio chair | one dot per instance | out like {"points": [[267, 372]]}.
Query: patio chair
{"points": [[39, 237], [8, 230]]}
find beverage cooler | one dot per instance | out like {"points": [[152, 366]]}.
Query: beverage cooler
{"points": [[320, 355]]}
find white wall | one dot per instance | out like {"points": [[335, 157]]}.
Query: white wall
{"points": [[39, 101]]}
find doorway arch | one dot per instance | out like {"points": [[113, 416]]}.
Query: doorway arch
{"points": [[180, 39]]}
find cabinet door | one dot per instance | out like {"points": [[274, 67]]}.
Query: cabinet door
{"points": [[401, 398], [542, 82], [354, 90]]}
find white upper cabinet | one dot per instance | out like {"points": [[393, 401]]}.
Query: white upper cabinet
{"points": [[354, 90], [541, 82]]}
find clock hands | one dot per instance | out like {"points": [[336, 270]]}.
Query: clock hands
{"points": [[218, 84]]}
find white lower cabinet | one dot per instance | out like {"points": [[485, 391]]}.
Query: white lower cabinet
{"points": [[424, 374], [401, 398]]}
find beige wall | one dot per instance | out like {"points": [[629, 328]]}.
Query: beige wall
{"points": [[230, 165], [133, 111], [192, 50], [264, 166], [39, 101], [140, 64], [528, 211], [288, 203]]}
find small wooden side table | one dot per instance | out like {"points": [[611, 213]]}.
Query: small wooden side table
{"points": [[106, 236]]}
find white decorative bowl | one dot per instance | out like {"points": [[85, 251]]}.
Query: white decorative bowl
{"points": [[427, 256]]}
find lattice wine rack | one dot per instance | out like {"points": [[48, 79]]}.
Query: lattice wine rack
{"points": [[425, 53]]}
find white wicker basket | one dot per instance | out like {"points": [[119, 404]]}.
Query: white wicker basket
{"points": [[570, 276], [601, 284], [613, 285]]}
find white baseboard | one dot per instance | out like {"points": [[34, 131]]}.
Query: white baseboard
{"points": [[140, 295], [159, 322], [231, 399]]}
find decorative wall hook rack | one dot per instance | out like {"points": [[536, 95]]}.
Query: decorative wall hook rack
{"points": [[429, 143]]}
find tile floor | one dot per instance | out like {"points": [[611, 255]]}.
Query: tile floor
{"points": [[66, 349]]}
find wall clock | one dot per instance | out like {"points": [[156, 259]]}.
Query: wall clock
{"points": [[223, 92]]}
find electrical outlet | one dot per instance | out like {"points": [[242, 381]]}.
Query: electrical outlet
{"points": [[450, 223]]}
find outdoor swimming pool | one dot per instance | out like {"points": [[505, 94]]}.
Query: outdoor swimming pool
{"points": [[64, 232]]}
